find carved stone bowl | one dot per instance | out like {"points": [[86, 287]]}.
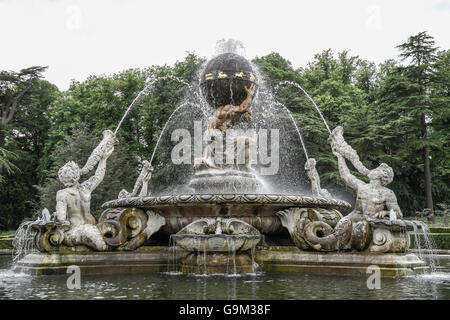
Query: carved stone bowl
{"points": [[257, 210], [216, 242], [217, 235]]}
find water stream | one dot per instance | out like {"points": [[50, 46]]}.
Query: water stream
{"points": [[308, 96], [425, 252], [149, 85]]}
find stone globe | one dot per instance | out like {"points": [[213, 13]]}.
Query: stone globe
{"points": [[224, 80]]}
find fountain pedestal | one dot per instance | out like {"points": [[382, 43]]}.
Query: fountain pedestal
{"points": [[215, 181], [270, 259]]}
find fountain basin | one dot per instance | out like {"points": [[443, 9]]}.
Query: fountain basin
{"points": [[258, 210], [276, 259]]}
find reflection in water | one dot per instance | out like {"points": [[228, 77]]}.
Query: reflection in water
{"points": [[256, 286]]}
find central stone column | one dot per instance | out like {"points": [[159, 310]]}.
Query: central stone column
{"points": [[228, 84]]}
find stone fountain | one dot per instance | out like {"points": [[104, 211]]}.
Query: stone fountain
{"points": [[228, 210]]}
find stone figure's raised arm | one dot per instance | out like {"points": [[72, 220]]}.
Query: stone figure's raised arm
{"points": [[345, 174], [95, 180], [107, 142], [338, 144]]}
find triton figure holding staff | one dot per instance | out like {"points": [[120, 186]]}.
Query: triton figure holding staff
{"points": [[373, 199], [73, 203]]}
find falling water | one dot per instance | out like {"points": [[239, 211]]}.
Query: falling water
{"points": [[136, 99], [228, 242], [204, 258], [23, 242], [296, 128], [198, 255], [233, 248], [428, 243], [24, 238], [266, 92], [254, 266], [168, 120]]}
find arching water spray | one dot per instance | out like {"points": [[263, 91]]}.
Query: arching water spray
{"points": [[309, 97], [296, 128], [168, 120], [264, 91], [150, 83]]}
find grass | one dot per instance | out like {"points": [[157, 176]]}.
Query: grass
{"points": [[7, 234], [439, 221]]}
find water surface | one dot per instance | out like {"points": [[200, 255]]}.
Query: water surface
{"points": [[255, 287]]}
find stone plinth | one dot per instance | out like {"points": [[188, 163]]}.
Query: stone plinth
{"points": [[292, 259], [271, 259]]}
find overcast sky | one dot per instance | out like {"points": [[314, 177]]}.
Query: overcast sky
{"points": [[81, 38]]}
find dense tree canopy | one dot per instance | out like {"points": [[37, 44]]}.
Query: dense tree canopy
{"points": [[396, 112]]}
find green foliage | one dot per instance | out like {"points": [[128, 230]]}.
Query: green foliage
{"points": [[5, 162], [25, 135]]}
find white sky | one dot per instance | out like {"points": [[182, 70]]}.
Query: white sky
{"points": [[80, 38]]}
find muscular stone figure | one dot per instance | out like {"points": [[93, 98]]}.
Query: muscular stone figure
{"points": [[228, 114], [73, 202], [373, 199], [224, 118]]}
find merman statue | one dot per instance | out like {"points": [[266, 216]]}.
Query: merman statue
{"points": [[373, 199], [368, 226], [73, 202]]}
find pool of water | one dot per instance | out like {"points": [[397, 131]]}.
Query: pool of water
{"points": [[258, 286]]}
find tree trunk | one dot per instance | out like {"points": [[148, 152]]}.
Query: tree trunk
{"points": [[427, 171], [428, 193]]}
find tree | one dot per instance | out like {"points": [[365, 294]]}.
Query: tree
{"points": [[14, 88], [420, 50], [439, 127], [6, 158], [25, 141]]}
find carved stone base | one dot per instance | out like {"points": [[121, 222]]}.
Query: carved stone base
{"points": [[291, 259], [276, 259], [118, 229], [318, 230], [217, 235]]}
